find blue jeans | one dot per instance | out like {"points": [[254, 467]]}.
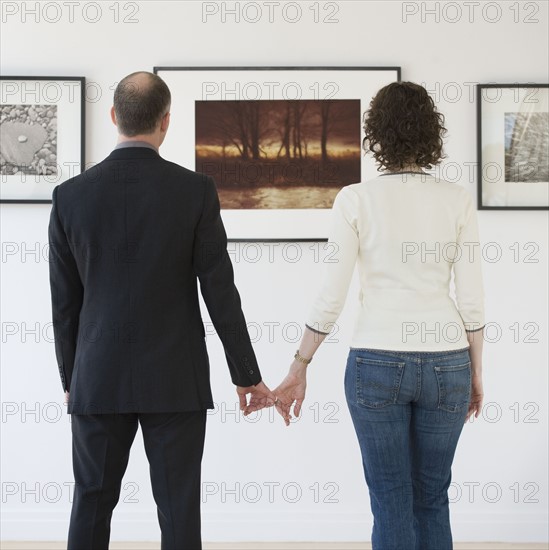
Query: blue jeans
{"points": [[408, 409]]}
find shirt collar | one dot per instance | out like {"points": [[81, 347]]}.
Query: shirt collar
{"points": [[135, 143], [405, 172]]}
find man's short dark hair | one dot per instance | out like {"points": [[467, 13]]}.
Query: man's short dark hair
{"points": [[141, 99]]}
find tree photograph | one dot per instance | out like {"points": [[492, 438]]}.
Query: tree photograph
{"points": [[278, 153]]}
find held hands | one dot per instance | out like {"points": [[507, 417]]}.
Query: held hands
{"points": [[290, 392], [260, 397]]}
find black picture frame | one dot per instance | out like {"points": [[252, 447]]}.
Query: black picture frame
{"points": [[281, 224], [67, 95], [495, 144]]}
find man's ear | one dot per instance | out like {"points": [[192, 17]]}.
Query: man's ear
{"points": [[113, 116], [165, 122]]}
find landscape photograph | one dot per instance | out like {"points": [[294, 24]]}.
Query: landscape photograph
{"points": [[284, 154]]}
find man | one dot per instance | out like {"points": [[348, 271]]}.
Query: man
{"points": [[128, 241]]}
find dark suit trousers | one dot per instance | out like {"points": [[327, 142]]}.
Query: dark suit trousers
{"points": [[101, 448]]}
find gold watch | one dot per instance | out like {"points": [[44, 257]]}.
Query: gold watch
{"points": [[301, 359]]}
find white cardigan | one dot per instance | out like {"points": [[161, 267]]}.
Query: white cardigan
{"points": [[406, 232]]}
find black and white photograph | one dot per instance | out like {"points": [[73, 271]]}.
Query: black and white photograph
{"points": [[527, 147], [42, 135], [28, 139], [513, 146]]}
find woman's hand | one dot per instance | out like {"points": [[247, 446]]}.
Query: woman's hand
{"points": [[477, 395], [292, 389]]}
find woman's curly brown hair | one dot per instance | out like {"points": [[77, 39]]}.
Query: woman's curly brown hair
{"points": [[403, 127]]}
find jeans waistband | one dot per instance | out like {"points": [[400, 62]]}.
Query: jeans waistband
{"points": [[400, 353]]}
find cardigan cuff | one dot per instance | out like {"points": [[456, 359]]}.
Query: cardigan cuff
{"points": [[315, 330]]}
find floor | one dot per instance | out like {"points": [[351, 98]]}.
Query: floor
{"points": [[272, 546]]}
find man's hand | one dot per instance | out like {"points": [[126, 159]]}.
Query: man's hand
{"points": [[66, 397], [260, 397], [291, 389]]}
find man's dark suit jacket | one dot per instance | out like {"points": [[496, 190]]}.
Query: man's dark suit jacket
{"points": [[129, 239]]}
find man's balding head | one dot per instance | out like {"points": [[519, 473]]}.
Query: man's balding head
{"points": [[141, 99]]}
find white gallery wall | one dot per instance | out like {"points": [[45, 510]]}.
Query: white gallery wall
{"points": [[261, 480]]}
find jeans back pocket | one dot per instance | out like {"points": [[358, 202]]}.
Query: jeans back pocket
{"points": [[454, 386], [377, 382]]}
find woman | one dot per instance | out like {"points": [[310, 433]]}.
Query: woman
{"points": [[414, 370]]}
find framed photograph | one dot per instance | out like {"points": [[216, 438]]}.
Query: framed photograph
{"points": [[513, 146], [41, 135], [280, 142]]}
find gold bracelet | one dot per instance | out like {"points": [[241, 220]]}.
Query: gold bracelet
{"points": [[301, 359]]}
